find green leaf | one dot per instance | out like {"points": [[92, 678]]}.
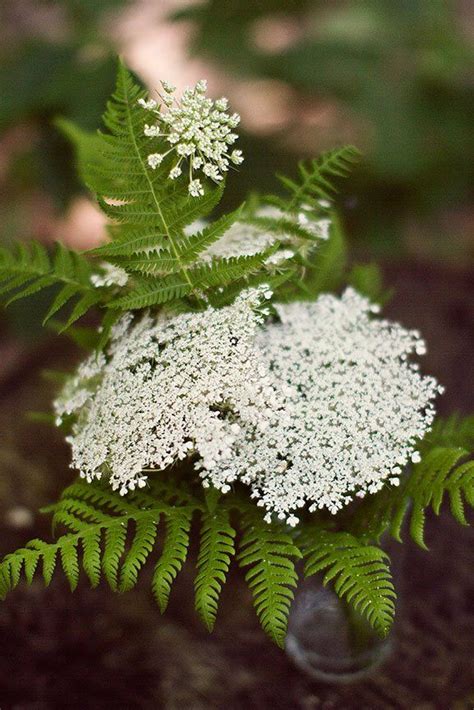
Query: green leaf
{"points": [[173, 556], [150, 210], [435, 477], [142, 545], [452, 431], [215, 553], [153, 292], [115, 538], [191, 247], [86, 301], [62, 297], [31, 269], [359, 573], [327, 265], [269, 552], [69, 560], [317, 176], [91, 555]]}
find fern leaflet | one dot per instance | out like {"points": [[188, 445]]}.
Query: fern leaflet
{"points": [[435, 477], [360, 573], [30, 269], [215, 553], [173, 556], [316, 177], [269, 553]]}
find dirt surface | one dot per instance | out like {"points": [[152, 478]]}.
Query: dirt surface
{"points": [[95, 650]]}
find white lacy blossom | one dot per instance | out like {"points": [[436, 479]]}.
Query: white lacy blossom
{"points": [[316, 408], [198, 130], [163, 390], [243, 239], [111, 276], [240, 240], [319, 228]]}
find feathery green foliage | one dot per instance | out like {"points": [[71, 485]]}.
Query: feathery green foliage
{"points": [[150, 240], [360, 573], [173, 556], [269, 552], [111, 537], [437, 477], [451, 431], [215, 553], [317, 177], [28, 269]]}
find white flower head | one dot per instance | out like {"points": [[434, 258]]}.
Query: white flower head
{"points": [[317, 409], [197, 129], [111, 276], [148, 105], [175, 173], [195, 188], [246, 239], [155, 159]]}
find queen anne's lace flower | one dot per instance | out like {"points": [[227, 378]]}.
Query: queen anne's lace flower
{"points": [[111, 276], [199, 132], [244, 239], [316, 408]]}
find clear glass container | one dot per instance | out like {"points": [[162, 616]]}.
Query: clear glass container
{"points": [[331, 642]]}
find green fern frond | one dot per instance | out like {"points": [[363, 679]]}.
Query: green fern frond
{"points": [[143, 541], [153, 292], [173, 556], [322, 269], [190, 248], [91, 546], [149, 209], [94, 518], [359, 573], [269, 552], [437, 476], [370, 518], [215, 553], [166, 261], [129, 241], [107, 535], [26, 270], [317, 177], [115, 541], [223, 271]]}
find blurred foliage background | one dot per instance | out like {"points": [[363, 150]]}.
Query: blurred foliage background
{"points": [[393, 78]]}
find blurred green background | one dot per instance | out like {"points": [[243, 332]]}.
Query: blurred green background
{"points": [[394, 78]]}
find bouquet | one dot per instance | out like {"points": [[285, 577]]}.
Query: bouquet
{"points": [[241, 387]]}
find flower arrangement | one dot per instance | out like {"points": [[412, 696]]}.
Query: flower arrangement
{"points": [[241, 378]]}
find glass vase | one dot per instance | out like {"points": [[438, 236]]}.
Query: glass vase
{"points": [[328, 639]]}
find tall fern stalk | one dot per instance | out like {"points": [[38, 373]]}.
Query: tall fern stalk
{"points": [[158, 258]]}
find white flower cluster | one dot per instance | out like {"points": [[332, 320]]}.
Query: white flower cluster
{"points": [[244, 239], [168, 388], [199, 131], [318, 407], [111, 276]]}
